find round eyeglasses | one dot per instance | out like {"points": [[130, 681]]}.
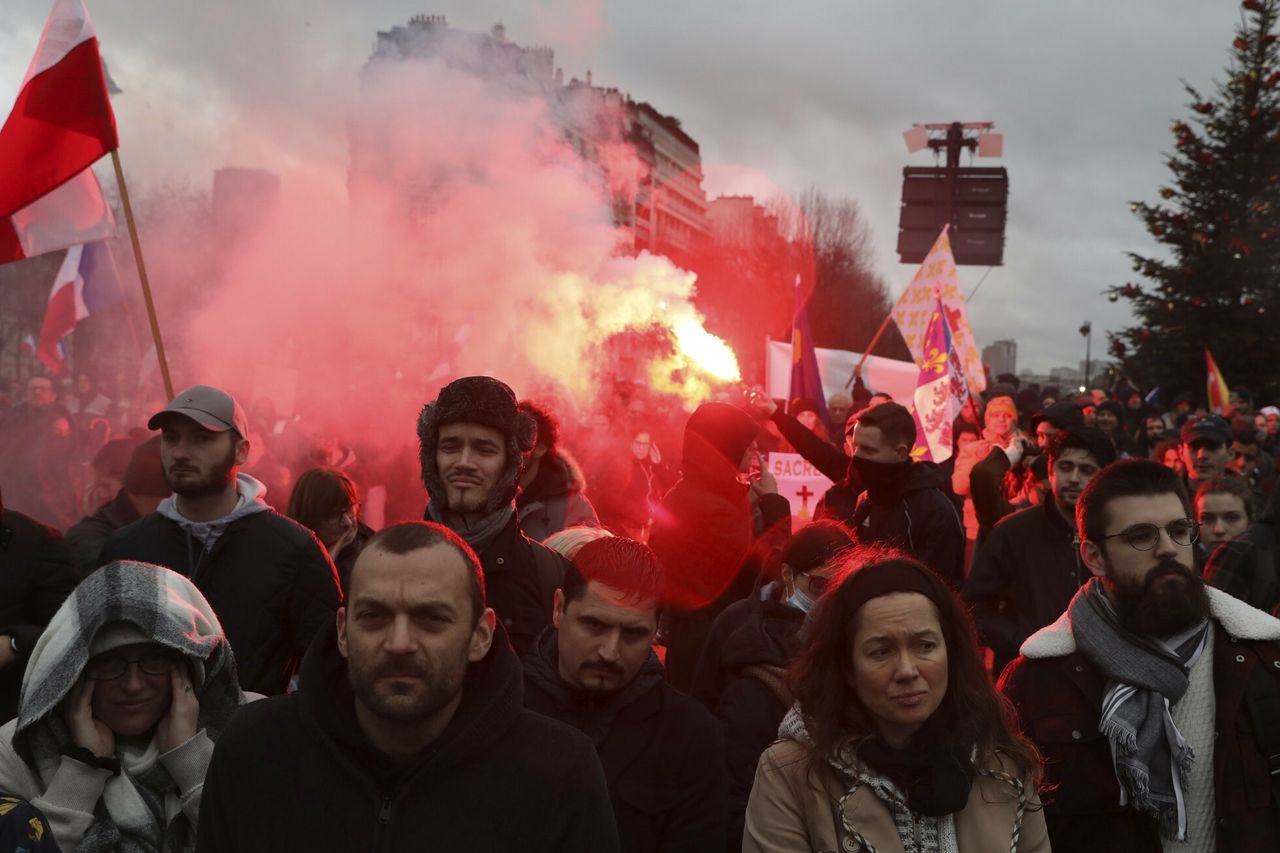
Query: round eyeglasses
{"points": [[1145, 536]]}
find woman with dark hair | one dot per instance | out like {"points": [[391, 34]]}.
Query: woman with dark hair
{"points": [[325, 500], [898, 740]]}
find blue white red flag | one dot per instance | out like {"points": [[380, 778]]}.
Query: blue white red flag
{"points": [[941, 391], [86, 283]]}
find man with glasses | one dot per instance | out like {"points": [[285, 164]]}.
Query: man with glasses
{"points": [[1153, 698]]}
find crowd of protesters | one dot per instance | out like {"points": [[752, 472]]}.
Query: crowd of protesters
{"points": [[222, 629]]}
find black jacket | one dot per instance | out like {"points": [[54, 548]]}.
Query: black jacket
{"points": [[36, 576], [520, 581], [742, 677], [295, 772], [1023, 577], [268, 579], [89, 534], [704, 533], [917, 517], [660, 749]]}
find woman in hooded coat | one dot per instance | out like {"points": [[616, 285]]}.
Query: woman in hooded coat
{"points": [[122, 699]]}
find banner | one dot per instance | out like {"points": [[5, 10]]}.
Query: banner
{"points": [[798, 482], [1219, 396], [886, 375], [937, 279]]}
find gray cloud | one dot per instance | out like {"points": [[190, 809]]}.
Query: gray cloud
{"points": [[808, 93]]}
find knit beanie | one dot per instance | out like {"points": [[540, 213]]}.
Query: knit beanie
{"points": [[1002, 404], [476, 400]]}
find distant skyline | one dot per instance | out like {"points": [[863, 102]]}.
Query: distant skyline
{"points": [[778, 96]]}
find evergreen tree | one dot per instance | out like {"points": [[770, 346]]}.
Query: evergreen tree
{"points": [[1217, 284]]}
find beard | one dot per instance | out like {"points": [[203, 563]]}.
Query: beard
{"points": [[1171, 599], [427, 692], [211, 484]]}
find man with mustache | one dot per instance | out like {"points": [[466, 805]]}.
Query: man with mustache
{"points": [[1027, 569], [407, 731], [596, 670], [472, 439], [268, 578], [1153, 698]]}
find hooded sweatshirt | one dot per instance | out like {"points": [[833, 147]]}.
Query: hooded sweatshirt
{"points": [[297, 773]]}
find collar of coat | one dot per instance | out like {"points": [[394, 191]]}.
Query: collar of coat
{"points": [[1238, 619]]}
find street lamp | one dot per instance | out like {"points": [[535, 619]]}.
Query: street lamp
{"points": [[1086, 332]]}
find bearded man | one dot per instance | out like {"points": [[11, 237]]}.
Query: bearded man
{"points": [[1155, 700], [407, 731], [268, 578]]}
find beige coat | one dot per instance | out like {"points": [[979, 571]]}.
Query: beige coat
{"points": [[787, 813]]}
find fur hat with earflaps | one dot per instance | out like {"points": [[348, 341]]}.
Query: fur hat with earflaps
{"points": [[476, 400]]}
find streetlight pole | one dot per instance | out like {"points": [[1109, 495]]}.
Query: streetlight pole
{"points": [[1086, 332]]}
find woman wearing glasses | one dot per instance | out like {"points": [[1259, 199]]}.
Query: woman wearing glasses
{"points": [[117, 721]]}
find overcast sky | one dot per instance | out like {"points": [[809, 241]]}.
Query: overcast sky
{"points": [[790, 94]]}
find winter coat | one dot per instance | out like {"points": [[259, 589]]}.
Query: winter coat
{"points": [[791, 811], [704, 532], [89, 534], [1023, 577], [267, 577], [296, 772], [36, 576], [1058, 694], [661, 752], [555, 499], [520, 582], [742, 676], [917, 517]]}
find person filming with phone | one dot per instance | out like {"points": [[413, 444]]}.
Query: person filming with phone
{"points": [[122, 700]]}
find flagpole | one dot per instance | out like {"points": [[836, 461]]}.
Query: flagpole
{"points": [[142, 276], [868, 350]]}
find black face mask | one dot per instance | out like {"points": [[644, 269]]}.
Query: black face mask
{"points": [[880, 476]]}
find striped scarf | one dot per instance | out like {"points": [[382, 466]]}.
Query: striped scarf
{"points": [[1145, 676]]}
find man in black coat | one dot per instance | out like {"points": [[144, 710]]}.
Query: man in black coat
{"points": [[1027, 569], [595, 669], [407, 731], [903, 505], [268, 578], [707, 528], [36, 576], [472, 438]]}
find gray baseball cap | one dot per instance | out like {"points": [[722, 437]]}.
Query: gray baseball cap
{"points": [[212, 408]]}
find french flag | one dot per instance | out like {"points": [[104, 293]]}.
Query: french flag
{"points": [[60, 125], [86, 283]]}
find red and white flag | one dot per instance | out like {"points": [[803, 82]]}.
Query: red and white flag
{"points": [[60, 125]]}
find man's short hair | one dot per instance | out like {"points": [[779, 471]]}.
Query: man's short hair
{"points": [[1245, 431], [1227, 485], [1089, 439], [409, 536], [1124, 479], [624, 565], [893, 420], [548, 424]]}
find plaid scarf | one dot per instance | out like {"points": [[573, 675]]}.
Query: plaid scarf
{"points": [[1145, 676], [140, 809]]}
